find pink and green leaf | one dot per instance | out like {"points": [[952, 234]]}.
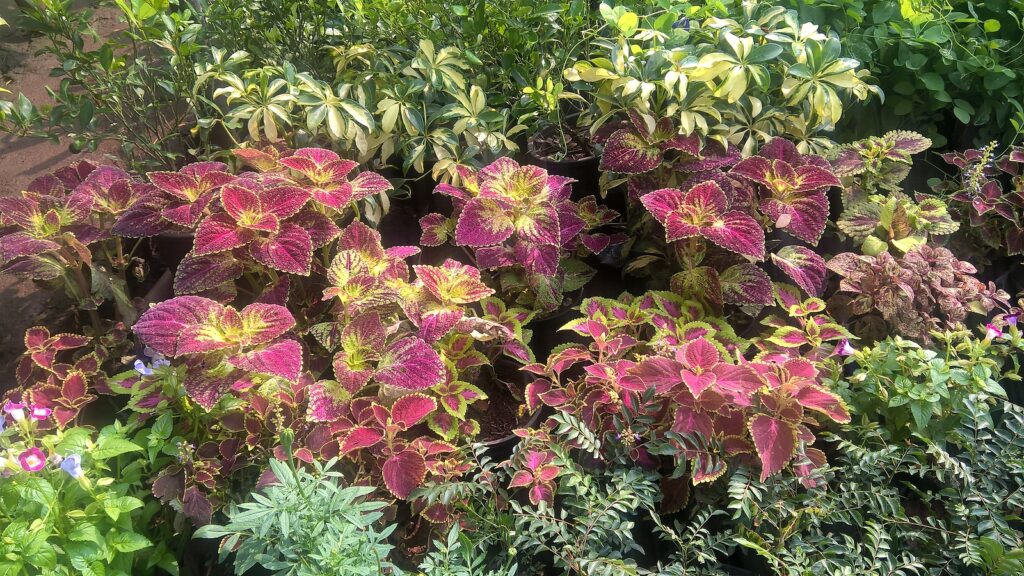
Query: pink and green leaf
{"points": [[775, 442], [404, 472], [411, 364], [746, 284], [804, 266]]}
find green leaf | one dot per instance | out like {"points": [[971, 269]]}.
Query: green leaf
{"points": [[992, 25], [114, 507], [111, 446], [933, 81], [128, 542], [922, 412], [627, 23]]}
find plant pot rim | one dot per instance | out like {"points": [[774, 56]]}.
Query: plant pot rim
{"points": [[532, 422]]}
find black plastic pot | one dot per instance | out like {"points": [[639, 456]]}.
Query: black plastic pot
{"points": [[607, 282], [424, 201], [506, 384], [170, 248], [584, 171]]}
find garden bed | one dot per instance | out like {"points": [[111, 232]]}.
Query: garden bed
{"points": [[513, 288]]}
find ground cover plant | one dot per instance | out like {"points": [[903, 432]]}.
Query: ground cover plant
{"points": [[519, 288]]}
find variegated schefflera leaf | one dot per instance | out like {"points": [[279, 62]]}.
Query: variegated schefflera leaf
{"points": [[222, 346], [522, 226]]}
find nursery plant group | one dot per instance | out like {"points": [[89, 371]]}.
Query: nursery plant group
{"points": [[502, 288]]}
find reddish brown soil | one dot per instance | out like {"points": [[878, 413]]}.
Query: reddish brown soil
{"points": [[23, 304]]}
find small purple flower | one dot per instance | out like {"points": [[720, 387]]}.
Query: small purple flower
{"points": [[683, 23], [32, 460], [40, 412], [844, 348], [73, 466], [17, 411], [141, 368], [1011, 319], [992, 331], [161, 362]]}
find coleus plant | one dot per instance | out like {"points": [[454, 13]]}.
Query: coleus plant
{"points": [[407, 354], [660, 377], [59, 230], [779, 189], [63, 372], [926, 289], [221, 347], [257, 222], [988, 192], [805, 331], [879, 222], [875, 165], [521, 225], [200, 456]]}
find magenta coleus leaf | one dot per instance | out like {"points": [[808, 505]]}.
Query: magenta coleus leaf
{"points": [[360, 437], [321, 229], [21, 244], [453, 282], [539, 224], [220, 233], [745, 284], [179, 326], [816, 398], [192, 181], [663, 374], [804, 266], [193, 324], [802, 214], [207, 387], [436, 230], [144, 218], [411, 364], [537, 258], [282, 358], [283, 201], [775, 442], [290, 250], [781, 178], [404, 472], [188, 214], [699, 354], [200, 273], [737, 232], [627, 152], [411, 409], [261, 323], [435, 324], [369, 184], [483, 222], [326, 403], [702, 210]]}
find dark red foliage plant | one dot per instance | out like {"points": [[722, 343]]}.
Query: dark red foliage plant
{"points": [[668, 382]]}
